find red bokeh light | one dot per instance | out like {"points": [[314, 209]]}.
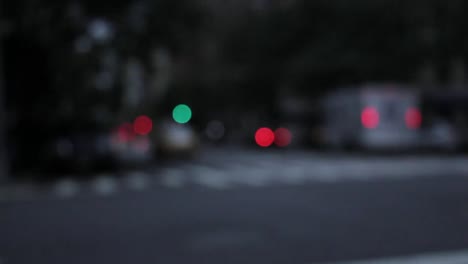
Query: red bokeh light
{"points": [[413, 118], [264, 137], [283, 137], [370, 117], [143, 125]]}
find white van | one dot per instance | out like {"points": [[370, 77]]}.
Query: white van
{"points": [[373, 117]]}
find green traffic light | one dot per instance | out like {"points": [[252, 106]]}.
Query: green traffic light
{"points": [[182, 114]]}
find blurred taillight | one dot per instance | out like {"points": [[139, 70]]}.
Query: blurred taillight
{"points": [[413, 118], [264, 137], [143, 125], [283, 137], [370, 117]]}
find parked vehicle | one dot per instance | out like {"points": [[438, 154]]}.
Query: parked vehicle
{"points": [[175, 140], [373, 117]]}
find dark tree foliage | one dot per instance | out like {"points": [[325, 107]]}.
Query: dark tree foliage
{"points": [[310, 46], [317, 45]]}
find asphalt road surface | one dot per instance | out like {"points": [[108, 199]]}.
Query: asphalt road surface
{"points": [[348, 212]]}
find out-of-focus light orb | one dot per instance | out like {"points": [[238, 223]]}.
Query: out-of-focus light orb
{"points": [[101, 30], [264, 137], [413, 118], [283, 137], [215, 130], [370, 118], [125, 132], [143, 125], [182, 114]]}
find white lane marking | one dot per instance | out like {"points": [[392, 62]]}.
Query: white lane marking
{"points": [[259, 171], [105, 185], [210, 177], [461, 166], [137, 181], [292, 175], [259, 177], [324, 173], [173, 178], [332, 171], [247, 175], [456, 257], [66, 188]]}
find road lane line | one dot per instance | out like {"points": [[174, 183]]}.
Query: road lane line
{"points": [[137, 181], [105, 185], [173, 178], [66, 188], [210, 177]]}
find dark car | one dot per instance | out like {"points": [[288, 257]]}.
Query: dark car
{"points": [[52, 149]]}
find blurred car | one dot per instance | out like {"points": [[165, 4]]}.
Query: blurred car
{"points": [[380, 117], [62, 152], [175, 140], [80, 151], [129, 147]]}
